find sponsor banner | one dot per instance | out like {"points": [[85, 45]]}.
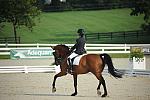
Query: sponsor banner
{"points": [[31, 53], [146, 50]]}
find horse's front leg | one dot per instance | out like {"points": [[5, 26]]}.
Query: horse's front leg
{"points": [[75, 84], [54, 81]]}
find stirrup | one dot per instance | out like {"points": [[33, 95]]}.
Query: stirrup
{"points": [[71, 72]]}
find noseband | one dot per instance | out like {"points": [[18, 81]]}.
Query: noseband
{"points": [[58, 58]]}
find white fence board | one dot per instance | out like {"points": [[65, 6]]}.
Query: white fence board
{"points": [[100, 52], [91, 48], [26, 69]]}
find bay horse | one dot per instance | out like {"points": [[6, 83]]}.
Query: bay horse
{"points": [[93, 63]]}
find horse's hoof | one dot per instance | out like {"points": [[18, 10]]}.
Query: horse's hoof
{"points": [[74, 94], [53, 90], [104, 95], [98, 92]]}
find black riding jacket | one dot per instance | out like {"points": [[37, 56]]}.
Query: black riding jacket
{"points": [[79, 46]]}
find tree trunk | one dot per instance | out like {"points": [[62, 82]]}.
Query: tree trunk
{"points": [[15, 33]]}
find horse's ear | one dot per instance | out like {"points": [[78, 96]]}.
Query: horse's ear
{"points": [[52, 47]]}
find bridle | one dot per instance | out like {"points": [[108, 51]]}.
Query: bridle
{"points": [[59, 58]]}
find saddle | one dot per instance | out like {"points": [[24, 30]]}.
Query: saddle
{"points": [[74, 61]]}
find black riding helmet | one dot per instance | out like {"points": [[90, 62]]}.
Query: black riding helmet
{"points": [[81, 32]]}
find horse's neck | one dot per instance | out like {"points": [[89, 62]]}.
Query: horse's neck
{"points": [[64, 51], [65, 56]]}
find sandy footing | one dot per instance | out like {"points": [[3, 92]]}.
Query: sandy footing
{"points": [[37, 86]]}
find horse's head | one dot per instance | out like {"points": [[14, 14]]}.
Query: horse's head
{"points": [[61, 52]]}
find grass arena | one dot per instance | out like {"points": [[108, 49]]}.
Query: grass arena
{"points": [[37, 86]]}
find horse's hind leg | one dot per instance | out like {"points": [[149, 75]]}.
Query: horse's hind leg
{"points": [[101, 81], [98, 88], [104, 86]]}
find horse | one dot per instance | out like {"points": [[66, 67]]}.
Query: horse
{"points": [[93, 63]]}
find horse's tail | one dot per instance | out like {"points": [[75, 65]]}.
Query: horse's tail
{"points": [[107, 60]]}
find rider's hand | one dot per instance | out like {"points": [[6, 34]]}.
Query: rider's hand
{"points": [[71, 50]]}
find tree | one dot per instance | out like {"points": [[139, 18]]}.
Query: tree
{"points": [[19, 13], [142, 7], [55, 2]]}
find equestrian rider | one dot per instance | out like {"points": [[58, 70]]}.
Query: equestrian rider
{"points": [[78, 47]]}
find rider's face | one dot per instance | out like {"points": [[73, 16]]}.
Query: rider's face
{"points": [[78, 34]]}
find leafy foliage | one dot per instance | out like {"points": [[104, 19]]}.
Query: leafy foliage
{"points": [[18, 12], [136, 52], [142, 7]]}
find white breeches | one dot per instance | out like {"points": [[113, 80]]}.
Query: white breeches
{"points": [[72, 55]]}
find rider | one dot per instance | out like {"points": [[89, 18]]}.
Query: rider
{"points": [[78, 47]]}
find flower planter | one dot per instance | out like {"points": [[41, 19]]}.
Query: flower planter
{"points": [[139, 63]]}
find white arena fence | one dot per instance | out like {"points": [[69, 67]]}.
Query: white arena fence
{"points": [[56, 69], [91, 48], [27, 69]]}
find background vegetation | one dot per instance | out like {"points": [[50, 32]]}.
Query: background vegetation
{"points": [[61, 27]]}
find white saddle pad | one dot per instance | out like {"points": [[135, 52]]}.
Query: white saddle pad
{"points": [[77, 59]]}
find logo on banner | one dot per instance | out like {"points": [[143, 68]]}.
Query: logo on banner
{"points": [[30, 53]]}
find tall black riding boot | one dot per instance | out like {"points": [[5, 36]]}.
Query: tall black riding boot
{"points": [[70, 66]]}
